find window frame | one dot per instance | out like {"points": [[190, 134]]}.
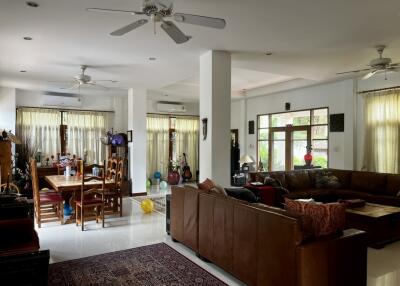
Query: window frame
{"points": [[311, 125]]}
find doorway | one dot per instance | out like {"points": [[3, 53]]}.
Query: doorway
{"points": [[288, 146]]}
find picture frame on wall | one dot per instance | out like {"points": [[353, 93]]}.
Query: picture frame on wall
{"points": [[129, 136]]}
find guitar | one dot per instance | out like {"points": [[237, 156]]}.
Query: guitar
{"points": [[186, 173]]}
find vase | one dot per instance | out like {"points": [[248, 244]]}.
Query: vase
{"points": [[308, 159], [173, 177]]}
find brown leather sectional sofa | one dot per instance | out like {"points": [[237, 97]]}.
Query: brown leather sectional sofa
{"points": [[265, 246], [372, 187]]}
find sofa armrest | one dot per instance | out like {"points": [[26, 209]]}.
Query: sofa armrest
{"points": [[340, 260]]}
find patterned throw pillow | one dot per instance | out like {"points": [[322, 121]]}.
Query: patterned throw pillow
{"points": [[218, 190], [326, 180], [207, 185], [326, 218]]}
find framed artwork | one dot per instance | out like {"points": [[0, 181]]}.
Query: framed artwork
{"points": [[129, 135]]}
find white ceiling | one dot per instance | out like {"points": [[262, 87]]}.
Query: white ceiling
{"points": [[309, 39]]}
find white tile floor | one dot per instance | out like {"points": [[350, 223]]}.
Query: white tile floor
{"points": [[137, 229]]}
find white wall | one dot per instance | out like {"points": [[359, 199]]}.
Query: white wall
{"points": [[337, 96], [7, 109]]}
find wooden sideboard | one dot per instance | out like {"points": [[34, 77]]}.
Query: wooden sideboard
{"points": [[5, 159]]}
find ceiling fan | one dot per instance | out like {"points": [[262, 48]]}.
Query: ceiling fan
{"points": [[157, 12], [380, 64], [84, 79]]}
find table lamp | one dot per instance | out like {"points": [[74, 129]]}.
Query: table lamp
{"points": [[245, 160]]}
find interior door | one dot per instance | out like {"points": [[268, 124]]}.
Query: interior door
{"points": [[288, 146]]}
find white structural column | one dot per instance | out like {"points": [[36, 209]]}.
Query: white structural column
{"points": [[137, 105], [215, 105]]}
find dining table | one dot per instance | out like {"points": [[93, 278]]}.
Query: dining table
{"points": [[69, 185]]}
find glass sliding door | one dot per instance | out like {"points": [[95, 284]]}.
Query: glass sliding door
{"points": [[277, 149]]}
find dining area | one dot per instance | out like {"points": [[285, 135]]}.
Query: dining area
{"points": [[79, 192]]}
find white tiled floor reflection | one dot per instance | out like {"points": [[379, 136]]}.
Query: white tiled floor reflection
{"points": [[137, 229]]}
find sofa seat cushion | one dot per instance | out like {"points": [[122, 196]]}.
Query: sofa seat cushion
{"points": [[392, 185], [327, 219], [298, 180], [351, 194], [369, 182]]}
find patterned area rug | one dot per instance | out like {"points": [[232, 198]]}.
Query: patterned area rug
{"points": [[159, 202], [153, 265]]}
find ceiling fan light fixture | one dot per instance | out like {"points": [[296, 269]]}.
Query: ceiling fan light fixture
{"points": [[152, 59], [23, 71], [32, 4], [28, 38]]}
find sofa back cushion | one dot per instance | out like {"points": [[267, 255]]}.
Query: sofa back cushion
{"points": [[327, 219], [392, 184], [344, 177], [298, 180], [369, 182]]}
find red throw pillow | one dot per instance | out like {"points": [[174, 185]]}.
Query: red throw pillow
{"points": [[265, 193], [326, 218], [207, 185]]}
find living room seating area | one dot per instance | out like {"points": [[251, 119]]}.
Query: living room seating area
{"points": [[264, 245]]}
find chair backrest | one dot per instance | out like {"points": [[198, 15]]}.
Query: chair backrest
{"points": [[88, 178], [112, 167], [11, 186], [120, 173], [35, 181]]}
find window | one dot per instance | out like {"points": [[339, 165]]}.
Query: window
{"points": [[282, 139], [39, 128]]}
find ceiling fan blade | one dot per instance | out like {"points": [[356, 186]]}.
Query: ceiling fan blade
{"points": [[61, 82], [354, 71], [113, 11], [106, 80], [98, 85], [76, 85], [128, 28], [174, 32], [200, 20], [371, 73]]}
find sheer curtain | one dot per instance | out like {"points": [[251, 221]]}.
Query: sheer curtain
{"points": [[187, 140], [382, 120], [84, 132], [40, 128], [157, 144]]}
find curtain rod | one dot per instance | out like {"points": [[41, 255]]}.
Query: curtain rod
{"points": [[172, 115], [65, 109], [379, 89]]}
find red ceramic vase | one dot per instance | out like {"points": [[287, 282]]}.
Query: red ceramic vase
{"points": [[173, 177], [308, 158]]}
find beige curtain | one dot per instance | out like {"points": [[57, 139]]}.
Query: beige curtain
{"points": [[40, 128], [84, 132], [382, 120], [157, 144], [187, 140]]}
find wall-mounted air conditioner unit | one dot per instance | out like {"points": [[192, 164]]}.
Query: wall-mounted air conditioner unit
{"points": [[61, 101], [171, 107]]}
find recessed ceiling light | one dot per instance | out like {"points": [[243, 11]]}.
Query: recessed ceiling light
{"points": [[23, 71], [28, 38], [152, 59], [32, 4]]}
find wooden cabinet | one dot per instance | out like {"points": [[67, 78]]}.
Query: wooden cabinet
{"points": [[5, 159]]}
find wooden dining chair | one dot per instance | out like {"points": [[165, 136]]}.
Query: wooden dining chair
{"points": [[89, 204], [113, 195], [12, 187], [48, 206]]}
